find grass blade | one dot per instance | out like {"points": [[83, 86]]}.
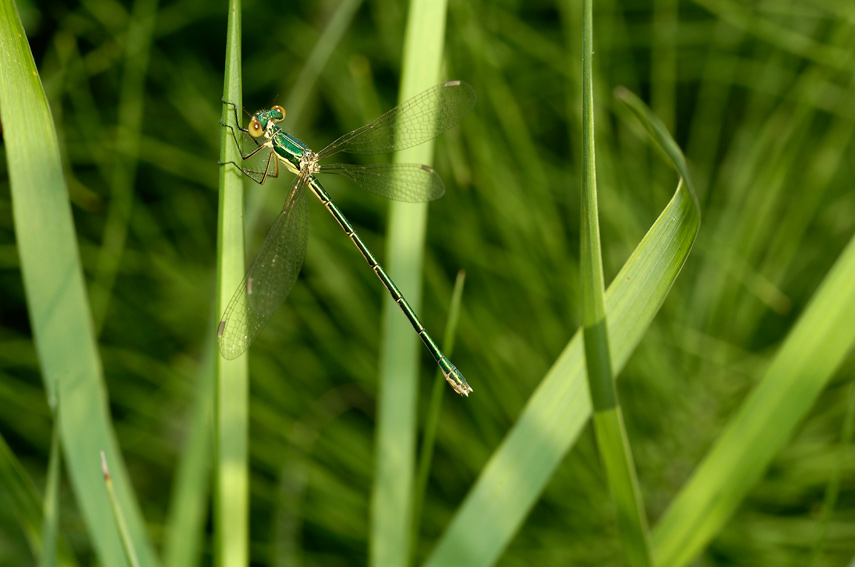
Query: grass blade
{"points": [[50, 507], [612, 441], [440, 387], [56, 296], [191, 488], [551, 421], [392, 490], [231, 414], [19, 491], [802, 367], [119, 518]]}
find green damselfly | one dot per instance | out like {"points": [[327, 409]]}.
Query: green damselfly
{"points": [[274, 271]]}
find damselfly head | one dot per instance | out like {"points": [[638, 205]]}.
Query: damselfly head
{"points": [[261, 119]]}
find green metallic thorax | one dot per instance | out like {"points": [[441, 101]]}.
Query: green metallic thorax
{"points": [[288, 148]]}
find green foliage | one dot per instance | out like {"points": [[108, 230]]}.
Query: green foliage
{"points": [[747, 353]]}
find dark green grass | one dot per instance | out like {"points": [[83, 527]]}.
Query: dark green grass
{"points": [[760, 103]]}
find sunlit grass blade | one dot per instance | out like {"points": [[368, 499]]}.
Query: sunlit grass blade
{"points": [[231, 415], [802, 367], [56, 296], [551, 421], [609, 429], [392, 489]]}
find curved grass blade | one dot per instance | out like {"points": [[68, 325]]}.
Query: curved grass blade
{"points": [[270, 278], [609, 429], [57, 301], [405, 182], [558, 410], [412, 123]]}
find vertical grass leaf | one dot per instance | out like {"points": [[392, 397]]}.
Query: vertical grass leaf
{"points": [[392, 490], [231, 499], [56, 296]]}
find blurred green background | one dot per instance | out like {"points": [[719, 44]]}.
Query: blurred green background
{"points": [[760, 97]]}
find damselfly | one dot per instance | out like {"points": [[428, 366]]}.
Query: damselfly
{"points": [[274, 271]]}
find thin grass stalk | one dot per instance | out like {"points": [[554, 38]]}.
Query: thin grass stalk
{"points": [[231, 413], [50, 505], [392, 490], [612, 441], [434, 411], [190, 494], [121, 524]]}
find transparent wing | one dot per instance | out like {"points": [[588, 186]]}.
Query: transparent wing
{"points": [[414, 122], [270, 277], [408, 182]]}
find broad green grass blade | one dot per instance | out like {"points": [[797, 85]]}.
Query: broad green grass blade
{"points": [[231, 501], [56, 296], [392, 490], [609, 429], [556, 413], [802, 367]]}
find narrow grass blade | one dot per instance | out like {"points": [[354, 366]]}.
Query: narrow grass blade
{"points": [[121, 524], [18, 490], [612, 440], [231, 501], [56, 297], [190, 494], [802, 367], [50, 506], [551, 421], [435, 408], [391, 496]]}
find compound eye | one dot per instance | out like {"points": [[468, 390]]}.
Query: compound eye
{"points": [[281, 111], [255, 129]]}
